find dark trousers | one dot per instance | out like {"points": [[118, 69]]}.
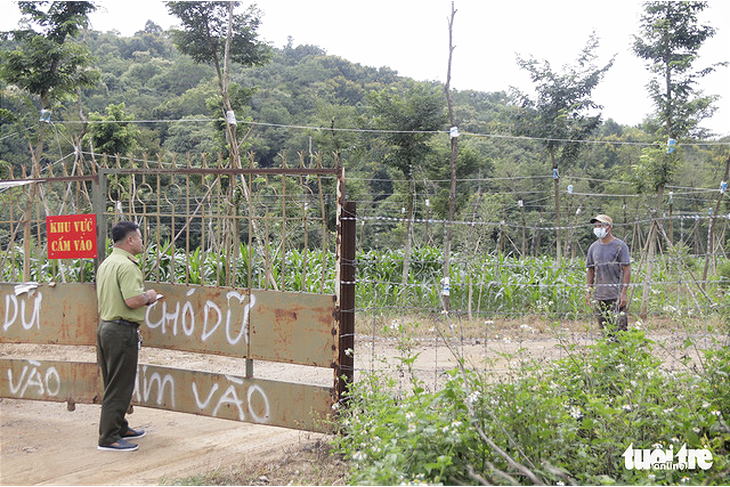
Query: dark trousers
{"points": [[611, 317], [117, 352]]}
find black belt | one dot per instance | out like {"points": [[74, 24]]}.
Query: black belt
{"points": [[122, 322]]}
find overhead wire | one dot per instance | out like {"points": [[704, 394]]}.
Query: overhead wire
{"points": [[386, 131]]}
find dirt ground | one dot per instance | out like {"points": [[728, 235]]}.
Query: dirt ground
{"points": [[44, 444]]}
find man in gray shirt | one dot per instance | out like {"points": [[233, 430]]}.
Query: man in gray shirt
{"points": [[609, 273]]}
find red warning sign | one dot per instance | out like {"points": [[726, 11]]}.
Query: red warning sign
{"points": [[71, 236]]}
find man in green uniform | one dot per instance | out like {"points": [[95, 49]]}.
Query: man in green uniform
{"points": [[122, 298]]}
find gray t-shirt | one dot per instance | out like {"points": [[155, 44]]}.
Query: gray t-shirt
{"points": [[607, 261]]}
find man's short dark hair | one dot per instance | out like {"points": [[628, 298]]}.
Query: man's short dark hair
{"points": [[122, 229]]}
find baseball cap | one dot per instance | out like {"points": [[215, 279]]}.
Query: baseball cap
{"points": [[602, 219]]}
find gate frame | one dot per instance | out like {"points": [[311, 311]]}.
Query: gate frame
{"points": [[344, 291]]}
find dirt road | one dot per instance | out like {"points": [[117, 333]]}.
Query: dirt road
{"points": [[43, 444]]}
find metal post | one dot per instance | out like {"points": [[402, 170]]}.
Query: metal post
{"points": [[98, 191], [346, 361]]}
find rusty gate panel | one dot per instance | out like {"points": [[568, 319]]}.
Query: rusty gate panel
{"points": [[63, 314], [297, 406], [296, 328], [199, 319], [50, 381], [288, 327]]}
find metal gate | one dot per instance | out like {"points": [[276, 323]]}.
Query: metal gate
{"points": [[256, 264]]}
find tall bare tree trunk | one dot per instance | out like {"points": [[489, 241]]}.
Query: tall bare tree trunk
{"points": [[232, 139], [556, 180], [710, 233], [454, 155], [524, 228], [651, 252], [409, 240]]}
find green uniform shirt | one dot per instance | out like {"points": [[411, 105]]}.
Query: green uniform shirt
{"points": [[118, 278]]}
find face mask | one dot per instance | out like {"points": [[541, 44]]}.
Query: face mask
{"points": [[600, 232]]}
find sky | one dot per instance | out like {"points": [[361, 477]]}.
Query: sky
{"points": [[411, 37]]}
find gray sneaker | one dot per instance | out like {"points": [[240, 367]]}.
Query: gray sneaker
{"points": [[132, 434], [120, 445]]}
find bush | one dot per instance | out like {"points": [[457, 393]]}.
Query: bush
{"points": [[567, 422]]}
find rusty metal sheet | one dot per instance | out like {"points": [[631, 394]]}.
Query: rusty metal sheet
{"points": [[294, 327], [297, 406], [267, 325], [63, 314], [199, 319], [56, 381]]}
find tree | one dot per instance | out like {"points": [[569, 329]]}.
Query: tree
{"points": [[49, 64], [112, 135], [563, 113], [452, 162], [669, 42], [213, 34], [411, 118]]}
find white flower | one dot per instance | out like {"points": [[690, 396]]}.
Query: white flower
{"points": [[559, 482], [696, 430], [411, 427], [657, 446], [633, 383], [359, 456], [349, 352], [675, 439], [473, 397], [576, 412], [335, 406], [445, 429], [626, 407], [715, 412], [668, 410], [489, 322], [455, 424], [410, 415], [507, 340], [651, 477], [685, 479], [705, 404]]}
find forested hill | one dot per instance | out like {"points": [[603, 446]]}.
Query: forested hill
{"points": [[304, 101], [301, 86]]}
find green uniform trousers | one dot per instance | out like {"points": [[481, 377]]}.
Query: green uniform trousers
{"points": [[117, 351]]}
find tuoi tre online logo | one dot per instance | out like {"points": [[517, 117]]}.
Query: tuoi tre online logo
{"points": [[658, 459]]}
